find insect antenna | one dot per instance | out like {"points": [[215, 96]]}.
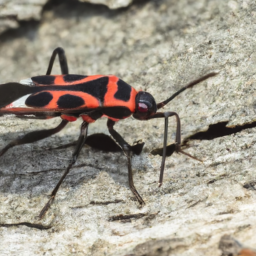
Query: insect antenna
{"points": [[189, 85]]}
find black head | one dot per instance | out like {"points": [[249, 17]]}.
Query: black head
{"points": [[145, 106]]}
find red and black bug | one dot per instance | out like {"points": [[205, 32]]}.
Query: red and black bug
{"points": [[90, 97]]}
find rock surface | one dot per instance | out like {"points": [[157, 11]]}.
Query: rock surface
{"points": [[112, 4], [156, 46], [15, 11], [12, 12]]}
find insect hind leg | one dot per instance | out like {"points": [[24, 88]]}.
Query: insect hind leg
{"points": [[62, 59], [34, 136]]}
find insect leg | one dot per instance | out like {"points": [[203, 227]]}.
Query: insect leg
{"points": [[34, 136], [127, 150], [79, 145], [177, 144], [62, 60]]}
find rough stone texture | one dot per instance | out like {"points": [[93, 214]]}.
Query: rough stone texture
{"points": [[155, 46], [12, 12], [112, 4]]}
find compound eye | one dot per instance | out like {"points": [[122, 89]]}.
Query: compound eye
{"points": [[142, 107]]}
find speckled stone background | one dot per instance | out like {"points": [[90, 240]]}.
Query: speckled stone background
{"points": [[156, 46]]}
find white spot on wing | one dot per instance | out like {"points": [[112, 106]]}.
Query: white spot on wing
{"points": [[29, 116], [20, 103], [27, 81]]}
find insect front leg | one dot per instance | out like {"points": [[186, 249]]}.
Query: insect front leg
{"points": [[177, 144], [62, 59], [34, 136], [79, 145], [128, 152]]}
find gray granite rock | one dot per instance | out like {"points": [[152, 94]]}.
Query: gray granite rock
{"points": [[12, 12], [112, 4], [15, 11], [156, 46]]}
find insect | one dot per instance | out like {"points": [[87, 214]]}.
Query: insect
{"points": [[70, 97]]}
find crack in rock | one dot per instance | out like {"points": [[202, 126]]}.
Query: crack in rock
{"points": [[214, 131], [28, 224]]}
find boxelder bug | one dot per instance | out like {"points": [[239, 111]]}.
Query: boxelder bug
{"points": [[89, 97]]}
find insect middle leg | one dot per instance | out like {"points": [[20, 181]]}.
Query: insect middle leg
{"points": [[79, 145], [128, 152]]}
